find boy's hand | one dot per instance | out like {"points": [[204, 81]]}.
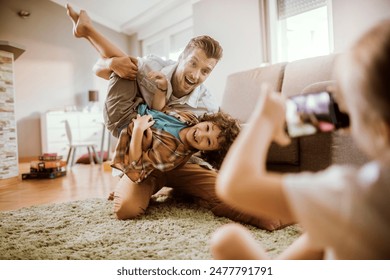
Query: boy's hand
{"points": [[125, 67], [142, 123]]}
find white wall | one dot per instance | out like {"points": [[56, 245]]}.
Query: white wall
{"points": [[55, 70], [236, 26], [352, 18]]}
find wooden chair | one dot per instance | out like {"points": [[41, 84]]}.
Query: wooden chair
{"points": [[73, 145]]}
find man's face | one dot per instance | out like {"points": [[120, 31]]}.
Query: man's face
{"points": [[192, 71]]}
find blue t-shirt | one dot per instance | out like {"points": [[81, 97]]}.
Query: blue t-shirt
{"points": [[163, 121]]}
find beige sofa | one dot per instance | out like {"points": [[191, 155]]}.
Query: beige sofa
{"points": [[311, 153]]}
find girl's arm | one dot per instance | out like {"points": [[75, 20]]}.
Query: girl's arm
{"points": [[140, 125], [243, 180]]}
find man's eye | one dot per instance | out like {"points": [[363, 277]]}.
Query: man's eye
{"points": [[208, 128], [209, 142]]}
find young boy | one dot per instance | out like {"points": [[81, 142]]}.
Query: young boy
{"points": [[344, 210], [176, 136]]}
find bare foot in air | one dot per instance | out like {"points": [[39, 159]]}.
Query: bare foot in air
{"points": [[81, 22]]}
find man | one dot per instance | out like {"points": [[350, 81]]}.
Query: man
{"points": [[185, 90]]}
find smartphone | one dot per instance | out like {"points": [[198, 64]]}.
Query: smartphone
{"points": [[312, 113]]}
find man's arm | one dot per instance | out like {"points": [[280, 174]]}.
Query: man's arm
{"points": [[124, 66]]}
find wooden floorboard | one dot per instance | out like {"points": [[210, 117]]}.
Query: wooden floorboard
{"points": [[82, 181]]}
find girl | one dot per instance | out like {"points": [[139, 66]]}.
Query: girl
{"points": [[344, 210]]}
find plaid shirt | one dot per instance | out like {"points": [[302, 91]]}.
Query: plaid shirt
{"points": [[165, 153]]}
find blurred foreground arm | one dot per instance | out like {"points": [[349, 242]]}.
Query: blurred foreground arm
{"points": [[243, 180]]}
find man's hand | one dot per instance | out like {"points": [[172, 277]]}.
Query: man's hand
{"points": [[125, 67]]}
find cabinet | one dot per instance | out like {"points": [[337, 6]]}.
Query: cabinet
{"points": [[85, 126]]}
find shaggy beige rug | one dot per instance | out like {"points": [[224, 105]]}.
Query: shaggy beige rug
{"points": [[88, 230]]}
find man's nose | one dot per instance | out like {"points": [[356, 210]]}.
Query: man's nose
{"points": [[196, 75]]}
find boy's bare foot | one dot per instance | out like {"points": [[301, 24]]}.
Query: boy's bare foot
{"points": [[81, 22]]}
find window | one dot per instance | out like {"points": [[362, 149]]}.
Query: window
{"points": [[178, 42], [300, 29], [156, 48], [168, 44]]}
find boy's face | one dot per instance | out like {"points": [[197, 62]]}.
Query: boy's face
{"points": [[204, 136], [192, 70]]}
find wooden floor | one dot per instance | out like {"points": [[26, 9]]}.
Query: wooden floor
{"points": [[81, 181]]}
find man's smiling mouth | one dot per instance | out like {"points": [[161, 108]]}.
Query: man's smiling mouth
{"points": [[189, 81]]}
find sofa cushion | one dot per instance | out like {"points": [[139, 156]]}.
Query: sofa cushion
{"points": [[319, 87], [302, 74], [242, 89], [241, 92], [284, 155]]}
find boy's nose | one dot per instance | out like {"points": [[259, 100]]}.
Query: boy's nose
{"points": [[201, 134]]}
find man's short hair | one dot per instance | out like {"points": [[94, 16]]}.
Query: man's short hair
{"points": [[210, 46]]}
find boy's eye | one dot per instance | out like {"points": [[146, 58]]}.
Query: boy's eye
{"points": [[209, 142], [208, 128]]}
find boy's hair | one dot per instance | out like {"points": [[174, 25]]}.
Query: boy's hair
{"points": [[229, 130], [211, 47]]}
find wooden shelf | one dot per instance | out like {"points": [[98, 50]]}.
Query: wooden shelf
{"points": [[11, 47]]}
